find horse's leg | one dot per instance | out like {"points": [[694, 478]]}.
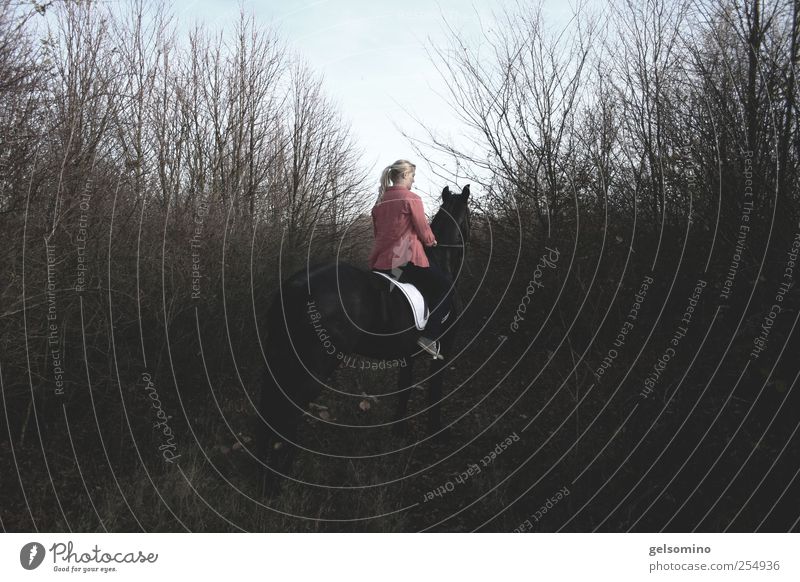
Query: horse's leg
{"points": [[405, 380], [281, 418], [437, 372], [289, 386], [435, 396]]}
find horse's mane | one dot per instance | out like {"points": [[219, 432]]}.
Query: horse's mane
{"points": [[436, 221], [446, 215]]}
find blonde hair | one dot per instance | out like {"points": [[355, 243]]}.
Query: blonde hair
{"points": [[393, 173]]}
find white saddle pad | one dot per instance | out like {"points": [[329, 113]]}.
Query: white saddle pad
{"points": [[415, 299]]}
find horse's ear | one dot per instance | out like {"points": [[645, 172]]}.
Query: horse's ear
{"points": [[446, 194], [465, 192]]}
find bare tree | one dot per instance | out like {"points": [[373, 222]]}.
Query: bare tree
{"points": [[22, 82], [647, 74], [320, 170], [521, 103]]}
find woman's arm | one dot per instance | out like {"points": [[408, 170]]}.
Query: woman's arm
{"points": [[419, 221]]}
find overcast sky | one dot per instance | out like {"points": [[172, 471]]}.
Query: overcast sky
{"points": [[372, 55]]}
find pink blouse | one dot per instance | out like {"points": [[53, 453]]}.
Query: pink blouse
{"points": [[401, 229]]}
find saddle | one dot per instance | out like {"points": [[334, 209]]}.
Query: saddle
{"points": [[415, 299]]}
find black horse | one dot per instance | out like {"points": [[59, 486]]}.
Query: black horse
{"points": [[324, 312]]}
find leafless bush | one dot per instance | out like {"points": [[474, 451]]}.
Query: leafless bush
{"points": [[154, 178]]}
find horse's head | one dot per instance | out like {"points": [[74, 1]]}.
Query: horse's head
{"points": [[451, 227]]}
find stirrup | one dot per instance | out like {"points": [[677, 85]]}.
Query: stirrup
{"points": [[430, 346]]}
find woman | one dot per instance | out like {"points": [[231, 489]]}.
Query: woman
{"points": [[401, 229]]}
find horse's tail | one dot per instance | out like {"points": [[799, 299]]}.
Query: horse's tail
{"points": [[305, 335], [278, 416], [296, 364]]}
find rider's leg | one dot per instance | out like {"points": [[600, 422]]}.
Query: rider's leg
{"points": [[435, 287]]}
